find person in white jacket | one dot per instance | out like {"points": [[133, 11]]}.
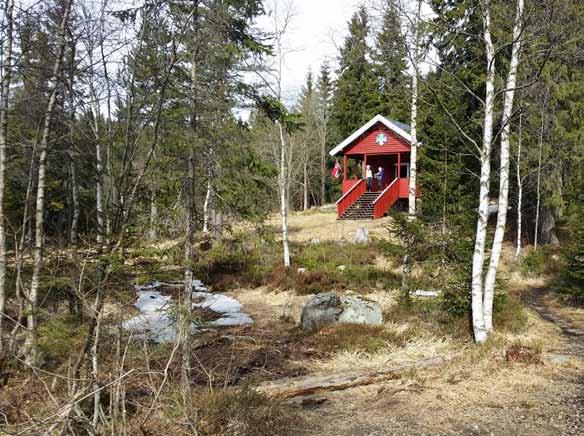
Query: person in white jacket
{"points": [[368, 177]]}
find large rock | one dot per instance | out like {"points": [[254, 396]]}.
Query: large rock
{"points": [[362, 236], [330, 308]]}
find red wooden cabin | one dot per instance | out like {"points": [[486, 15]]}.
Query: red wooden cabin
{"points": [[379, 143]]}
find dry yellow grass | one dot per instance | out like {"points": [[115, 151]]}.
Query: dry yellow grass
{"points": [[324, 226]]}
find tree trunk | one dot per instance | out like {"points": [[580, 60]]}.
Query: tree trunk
{"points": [[75, 198], [4, 94], [207, 204], [305, 186], [323, 166], [414, 119], [312, 384], [538, 193], [283, 197], [489, 291], [478, 319], [152, 233], [185, 310], [519, 191], [30, 345]]}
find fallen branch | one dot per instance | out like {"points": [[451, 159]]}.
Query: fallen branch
{"points": [[302, 386]]}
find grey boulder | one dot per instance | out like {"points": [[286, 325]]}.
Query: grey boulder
{"points": [[330, 308]]}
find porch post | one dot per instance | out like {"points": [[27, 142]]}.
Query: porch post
{"points": [[399, 165], [364, 165], [345, 167]]}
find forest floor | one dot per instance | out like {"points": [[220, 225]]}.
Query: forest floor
{"points": [[479, 391]]}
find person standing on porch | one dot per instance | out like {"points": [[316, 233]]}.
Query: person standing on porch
{"points": [[368, 177], [379, 177]]}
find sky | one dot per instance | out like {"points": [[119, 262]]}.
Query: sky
{"points": [[317, 29]]}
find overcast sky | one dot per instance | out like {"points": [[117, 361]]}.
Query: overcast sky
{"points": [[318, 28]]}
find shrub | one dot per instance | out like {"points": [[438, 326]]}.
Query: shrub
{"points": [[59, 335], [542, 261], [360, 337], [572, 275], [244, 413]]}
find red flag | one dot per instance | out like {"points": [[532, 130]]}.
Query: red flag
{"points": [[336, 172]]}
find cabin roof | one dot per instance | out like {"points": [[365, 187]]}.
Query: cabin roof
{"points": [[401, 129]]}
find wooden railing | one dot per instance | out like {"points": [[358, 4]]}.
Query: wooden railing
{"points": [[386, 199], [350, 197]]}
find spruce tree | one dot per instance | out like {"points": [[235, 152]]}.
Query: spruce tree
{"points": [[391, 65], [324, 92], [356, 98]]}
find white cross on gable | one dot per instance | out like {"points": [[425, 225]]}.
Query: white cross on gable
{"points": [[381, 139]]}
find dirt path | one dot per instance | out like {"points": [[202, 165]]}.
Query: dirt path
{"points": [[573, 336], [488, 397]]}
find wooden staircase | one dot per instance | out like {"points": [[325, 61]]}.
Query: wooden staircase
{"points": [[362, 208]]}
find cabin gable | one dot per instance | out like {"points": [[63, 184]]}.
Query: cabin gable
{"points": [[378, 140]]}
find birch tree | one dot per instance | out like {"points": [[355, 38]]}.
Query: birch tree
{"points": [[477, 303], [30, 345], [509, 95], [4, 95], [415, 50]]}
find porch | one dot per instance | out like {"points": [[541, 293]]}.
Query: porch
{"points": [[357, 202]]}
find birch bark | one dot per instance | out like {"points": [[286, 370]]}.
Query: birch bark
{"points": [[283, 197], [30, 345], [478, 319], [414, 116], [510, 86]]}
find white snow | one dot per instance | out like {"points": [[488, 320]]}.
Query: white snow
{"points": [[155, 322]]}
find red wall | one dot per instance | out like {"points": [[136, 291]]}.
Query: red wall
{"points": [[367, 144]]}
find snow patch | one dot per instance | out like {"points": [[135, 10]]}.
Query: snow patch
{"points": [[156, 323]]}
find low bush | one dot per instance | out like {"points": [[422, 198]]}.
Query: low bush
{"points": [[543, 261], [57, 336], [360, 337], [571, 283], [244, 413]]}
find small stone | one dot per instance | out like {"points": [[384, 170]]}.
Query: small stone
{"points": [[301, 270], [341, 267]]}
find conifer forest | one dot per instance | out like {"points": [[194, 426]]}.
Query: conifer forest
{"points": [[201, 236]]}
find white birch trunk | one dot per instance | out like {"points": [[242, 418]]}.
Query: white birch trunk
{"points": [[414, 118], [30, 345], [478, 319], [519, 192], [4, 94], [283, 197], [207, 203], [489, 290]]}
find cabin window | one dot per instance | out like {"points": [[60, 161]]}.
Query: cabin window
{"points": [[405, 170]]}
